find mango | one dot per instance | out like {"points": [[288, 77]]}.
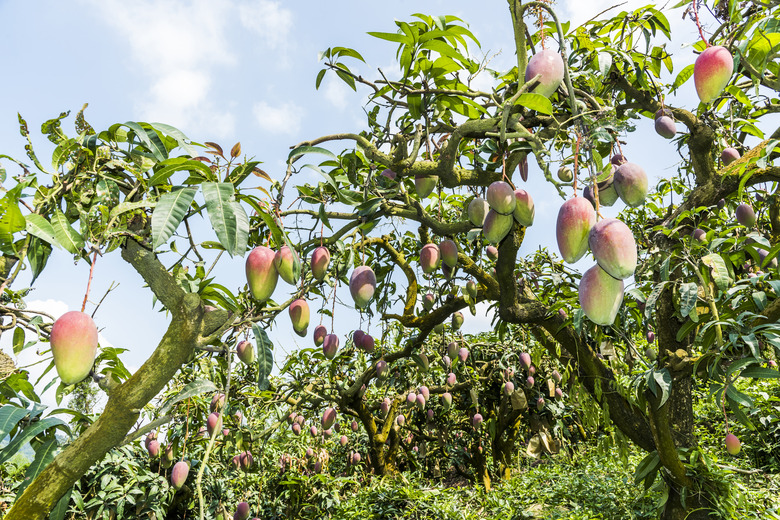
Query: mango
{"points": [[424, 185], [328, 417], [362, 285], [330, 346], [261, 274], [631, 184], [497, 226], [729, 155], [284, 261], [478, 210], [320, 259], [501, 197], [745, 215], [712, 72], [575, 218], [245, 351], [179, 474], [614, 247], [319, 334], [299, 315], [733, 445], [74, 342], [524, 208], [449, 252], [430, 257], [600, 296], [665, 127], [549, 64]]}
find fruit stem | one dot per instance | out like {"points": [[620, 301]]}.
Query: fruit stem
{"points": [[698, 23], [561, 43], [723, 405], [576, 161], [89, 282]]}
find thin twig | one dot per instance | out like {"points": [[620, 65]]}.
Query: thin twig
{"points": [[89, 282]]}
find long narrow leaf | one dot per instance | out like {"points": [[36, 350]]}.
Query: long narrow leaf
{"points": [[182, 140], [68, 237], [219, 196], [61, 509], [40, 227], [169, 213], [197, 387], [43, 457], [150, 140], [242, 227], [265, 355], [10, 416], [171, 166], [27, 435]]}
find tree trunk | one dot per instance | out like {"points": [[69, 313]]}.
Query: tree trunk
{"points": [[189, 324], [481, 474], [503, 452], [694, 508], [384, 454], [672, 424]]}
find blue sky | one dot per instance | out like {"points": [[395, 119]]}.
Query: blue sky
{"points": [[227, 71]]}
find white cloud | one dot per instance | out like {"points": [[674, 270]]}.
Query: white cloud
{"points": [[268, 19], [283, 118], [178, 45], [336, 91]]}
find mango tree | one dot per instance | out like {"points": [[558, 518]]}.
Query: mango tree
{"points": [[425, 219]]}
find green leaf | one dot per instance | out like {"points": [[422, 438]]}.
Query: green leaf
{"points": [[219, 196], [536, 102], [270, 222], [38, 253], [59, 511], [10, 416], [27, 435], [320, 75], [11, 218], [265, 354], [171, 166], [689, 293], [242, 227], [43, 457], [168, 214], [739, 95], [664, 380], [309, 149], [124, 207], [197, 387], [392, 37], [177, 134], [40, 227], [150, 140], [66, 236], [18, 341], [738, 397], [751, 341], [683, 76], [345, 51], [720, 272], [650, 302], [760, 372], [651, 463]]}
